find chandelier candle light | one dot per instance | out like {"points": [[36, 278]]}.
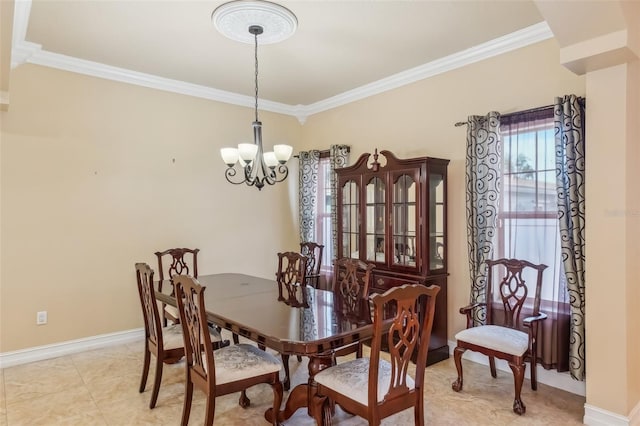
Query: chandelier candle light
{"points": [[244, 21]]}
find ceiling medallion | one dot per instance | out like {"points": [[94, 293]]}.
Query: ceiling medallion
{"points": [[234, 18]]}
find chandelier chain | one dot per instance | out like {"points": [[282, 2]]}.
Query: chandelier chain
{"points": [[256, 76]]}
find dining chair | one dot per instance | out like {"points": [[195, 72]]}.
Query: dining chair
{"points": [[291, 279], [177, 261], [351, 284], [165, 343], [374, 387], [501, 335], [313, 252], [229, 369]]}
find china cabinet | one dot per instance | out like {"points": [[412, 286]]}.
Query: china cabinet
{"points": [[393, 213]]}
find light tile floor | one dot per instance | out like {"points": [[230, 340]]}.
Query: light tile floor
{"points": [[100, 387]]}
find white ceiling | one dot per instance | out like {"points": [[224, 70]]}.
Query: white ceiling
{"points": [[340, 47]]}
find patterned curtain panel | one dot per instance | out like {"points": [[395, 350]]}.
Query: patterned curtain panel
{"points": [[339, 156], [483, 178], [308, 185], [570, 178]]}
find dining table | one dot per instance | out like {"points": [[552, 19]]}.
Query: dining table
{"points": [[316, 328]]}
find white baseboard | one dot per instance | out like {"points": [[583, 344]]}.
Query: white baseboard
{"points": [[39, 353], [552, 378], [594, 416]]}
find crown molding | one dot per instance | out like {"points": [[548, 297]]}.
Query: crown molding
{"points": [[516, 40], [27, 52]]}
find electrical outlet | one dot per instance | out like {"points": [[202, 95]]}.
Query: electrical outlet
{"points": [[41, 318]]}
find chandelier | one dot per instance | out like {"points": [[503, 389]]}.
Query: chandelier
{"points": [[244, 21]]}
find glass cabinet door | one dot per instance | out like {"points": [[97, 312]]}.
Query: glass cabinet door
{"points": [[350, 220], [376, 223], [404, 221], [437, 217]]}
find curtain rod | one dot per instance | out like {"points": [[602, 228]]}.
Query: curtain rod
{"points": [[542, 108], [323, 152]]}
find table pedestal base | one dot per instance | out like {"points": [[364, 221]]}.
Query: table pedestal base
{"points": [[302, 395]]}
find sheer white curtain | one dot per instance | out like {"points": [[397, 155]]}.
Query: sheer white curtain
{"points": [[528, 220]]}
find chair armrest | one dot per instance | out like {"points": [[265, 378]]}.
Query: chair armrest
{"points": [[529, 321], [532, 328], [467, 310]]}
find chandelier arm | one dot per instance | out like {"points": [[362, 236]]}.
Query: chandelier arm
{"points": [[230, 173]]}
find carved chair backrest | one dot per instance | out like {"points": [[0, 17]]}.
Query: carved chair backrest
{"points": [[197, 343], [410, 331], [313, 252], [351, 283], [507, 284], [292, 269], [178, 261], [152, 324]]}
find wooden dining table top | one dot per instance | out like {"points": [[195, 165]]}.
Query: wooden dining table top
{"points": [[249, 307]]}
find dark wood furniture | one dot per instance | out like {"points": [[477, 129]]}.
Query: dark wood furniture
{"points": [[249, 306], [313, 252], [375, 388], [351, 281], [232, 368], [165, 344], [292, 269], [394, 214], [291, 278], [501, 335], [176, 261]]}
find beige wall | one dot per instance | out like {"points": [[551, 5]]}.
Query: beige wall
{"points": [[419, 119], [633, 225], [90, 186], [613, 212], [606, 210]]}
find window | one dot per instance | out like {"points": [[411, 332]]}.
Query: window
{"points": [[528, 216]]}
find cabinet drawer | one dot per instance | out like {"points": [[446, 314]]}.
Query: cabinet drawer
{"points": [[381, 283]]}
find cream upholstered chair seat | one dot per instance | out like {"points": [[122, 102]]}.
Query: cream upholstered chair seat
{"points": [[171, 311], [241, 361], [351, 378], [497, 338], [172, 335]]}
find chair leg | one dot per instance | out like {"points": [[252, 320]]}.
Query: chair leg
{"points": [[492, 366], [236, 339], [211, 410], [186, 407], [518, 378], [285, 364], [299, 358], [145, 369], [457, 357], [156, 382], [244, 400], [277, 399], [534, 369], [418, 410]]}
